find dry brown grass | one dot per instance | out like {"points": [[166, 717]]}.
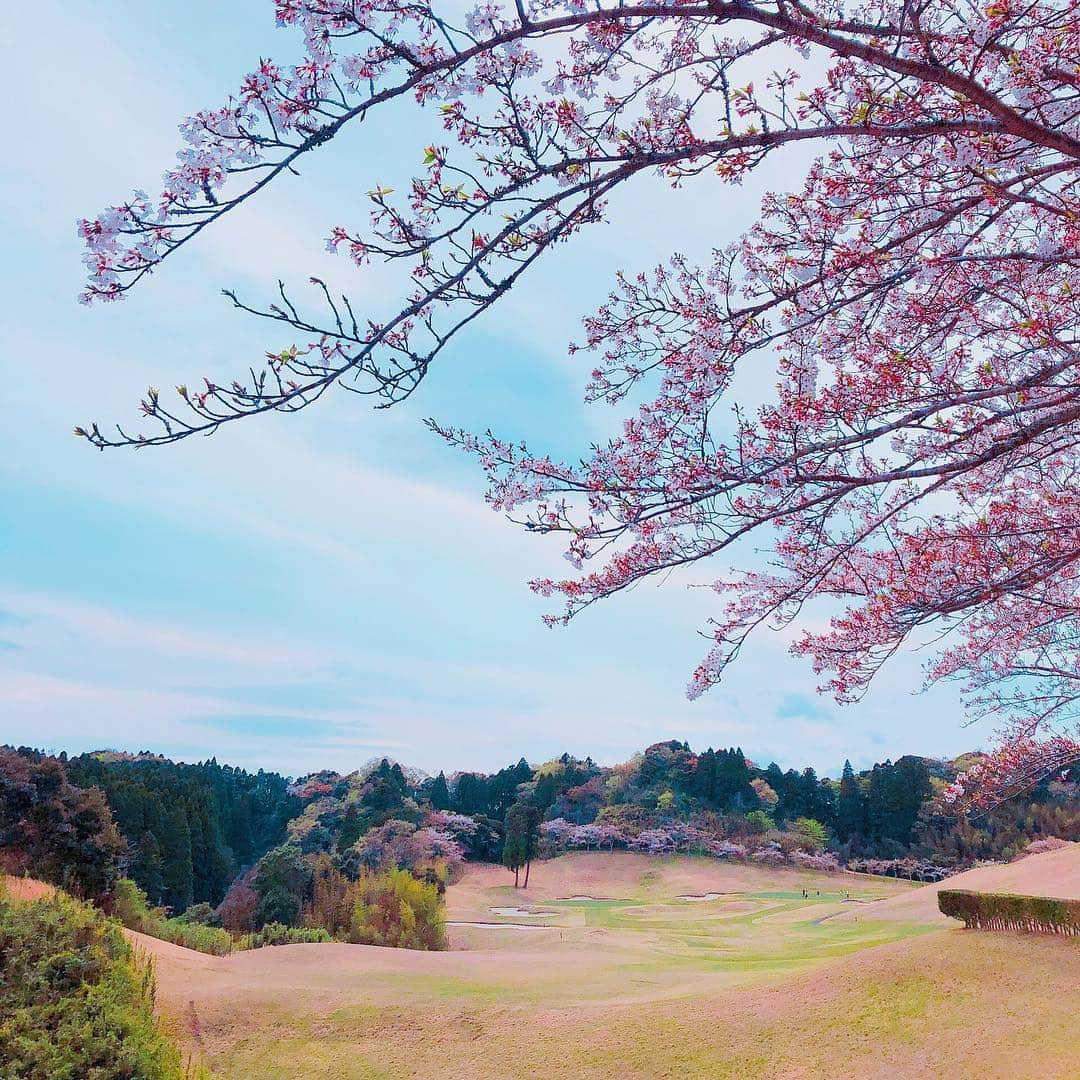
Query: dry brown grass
{"points": [[624, 992]]}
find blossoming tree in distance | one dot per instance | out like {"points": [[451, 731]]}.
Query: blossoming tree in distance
{"points": [[917, 297]]}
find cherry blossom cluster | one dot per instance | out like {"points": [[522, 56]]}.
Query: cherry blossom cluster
{"points": [[402, 844], [913, 467], [1013, 769], [565, 834], [657, 840], [824, 862]]}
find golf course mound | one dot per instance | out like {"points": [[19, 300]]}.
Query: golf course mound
{"points": [[772, 977], [24, 888], [1051, 873]]}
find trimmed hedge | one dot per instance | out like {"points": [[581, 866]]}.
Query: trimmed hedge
{"points": [[1002, 911]]}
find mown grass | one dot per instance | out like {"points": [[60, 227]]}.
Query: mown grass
{"points": [[646, 985], [914, 1011], [782, 928]]}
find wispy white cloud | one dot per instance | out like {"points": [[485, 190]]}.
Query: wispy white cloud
{"points": [[112, 629]]}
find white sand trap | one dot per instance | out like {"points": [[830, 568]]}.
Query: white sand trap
{"points": [[524, 911], [703, 897], [501, 925]]}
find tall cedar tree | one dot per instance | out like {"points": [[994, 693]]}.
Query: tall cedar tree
{"points": [[522, 838]]}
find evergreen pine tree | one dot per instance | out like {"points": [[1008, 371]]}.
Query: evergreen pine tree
{"points": [[176, 870], [849, 807], [146, 867], [439, 795]]}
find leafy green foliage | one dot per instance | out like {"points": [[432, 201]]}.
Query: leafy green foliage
{"points": [[722, 779], [809, 834], [279, 934], [282, 882], [490, 796], [75, 1004], [522, 837], [130, 906], [801, 794], [439, 793], [849, 803], [395, 909], [385, 792]]}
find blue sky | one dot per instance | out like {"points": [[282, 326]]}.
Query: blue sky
{"points": [[311, 591]]}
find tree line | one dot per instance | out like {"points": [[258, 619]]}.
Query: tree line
{"points": [[181, 831], [246, 848]]}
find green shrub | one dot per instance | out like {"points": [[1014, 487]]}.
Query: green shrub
{"points": [[397, 910], [206, 939], [1002, 911], [808, 834], [130, 906], [199, 913], [757, 822], [75, 1003], [280, 934]]}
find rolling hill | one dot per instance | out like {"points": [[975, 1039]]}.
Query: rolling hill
{"points": [[623, 965]]}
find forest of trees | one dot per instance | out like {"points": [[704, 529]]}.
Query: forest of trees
{"points": [[190, 829], [54, 830], [255, 853]]}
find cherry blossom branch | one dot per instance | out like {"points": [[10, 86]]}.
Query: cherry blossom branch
{"points": [[914, 467]]}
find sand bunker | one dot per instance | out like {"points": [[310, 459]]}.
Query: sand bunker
{"points": [[523, 911], [702, 897], [501, 925]]}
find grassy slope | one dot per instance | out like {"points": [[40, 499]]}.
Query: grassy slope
{"points": [[951, 1004], [758, 982]]}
